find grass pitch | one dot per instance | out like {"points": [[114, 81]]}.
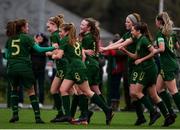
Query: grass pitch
{"points": [[121, 120]]}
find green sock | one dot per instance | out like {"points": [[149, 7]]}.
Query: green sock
{"points": [[97, 100], [102, 97], [83, 104], [176, 98], [75, 102], [66, 104], [162, 108], [166, 99], [35, 105], [58, 103], [147, 103], [139, 109], [14, 102]]}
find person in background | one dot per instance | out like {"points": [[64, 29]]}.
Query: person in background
{"points": [[125, 40], [101, 60], [115, 68], [38, 66]]}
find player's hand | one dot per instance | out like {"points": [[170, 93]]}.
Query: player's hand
{"points": [[55, 45], [89, 52], [138, 61]]}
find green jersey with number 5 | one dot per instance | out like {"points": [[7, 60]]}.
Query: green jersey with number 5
{"points": [[18, 54]]}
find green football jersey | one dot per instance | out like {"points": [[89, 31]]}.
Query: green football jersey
{"points": [[55, 38], [127, 35], [132, 47], [88, 42], [18, 52], [142, 49], [168, 60], [73, 53]]}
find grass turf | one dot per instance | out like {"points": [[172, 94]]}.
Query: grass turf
{"points": [[121, 120]]}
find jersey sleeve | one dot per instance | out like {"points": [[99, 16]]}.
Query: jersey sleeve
{"points": [[147, 43], [160, 38], [42, 49]]}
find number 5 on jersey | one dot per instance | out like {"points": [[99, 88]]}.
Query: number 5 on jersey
{"points": [[15, 44]]}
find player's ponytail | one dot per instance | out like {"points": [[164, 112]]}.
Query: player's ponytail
{"points": [[69, 27], [166, 23], [143, 28], [57, 20], [11, 28]]}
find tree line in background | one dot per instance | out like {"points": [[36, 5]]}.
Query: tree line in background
{"points": [[112, 13]]}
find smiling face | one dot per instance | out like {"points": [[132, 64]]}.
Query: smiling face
{"points": [[84, 26]]}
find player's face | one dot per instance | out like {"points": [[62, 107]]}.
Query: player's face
{"points": [[39, 39], [62, 33], [128, 23], [51, 26], [84, 26], [134, 32], [25, 28], [158, 23]]}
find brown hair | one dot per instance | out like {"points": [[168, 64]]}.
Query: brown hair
{"points": [[92, 23], [11, 28], [15, 27], [19, 24], [72, 32], [138, 17], [143, 28], [58, 20]]}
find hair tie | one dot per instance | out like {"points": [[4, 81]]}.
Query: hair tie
{"points": [[132, 18]]}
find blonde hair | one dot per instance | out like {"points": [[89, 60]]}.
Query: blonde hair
{"points": [[61, 19], [166, 23], [134, 17]]}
